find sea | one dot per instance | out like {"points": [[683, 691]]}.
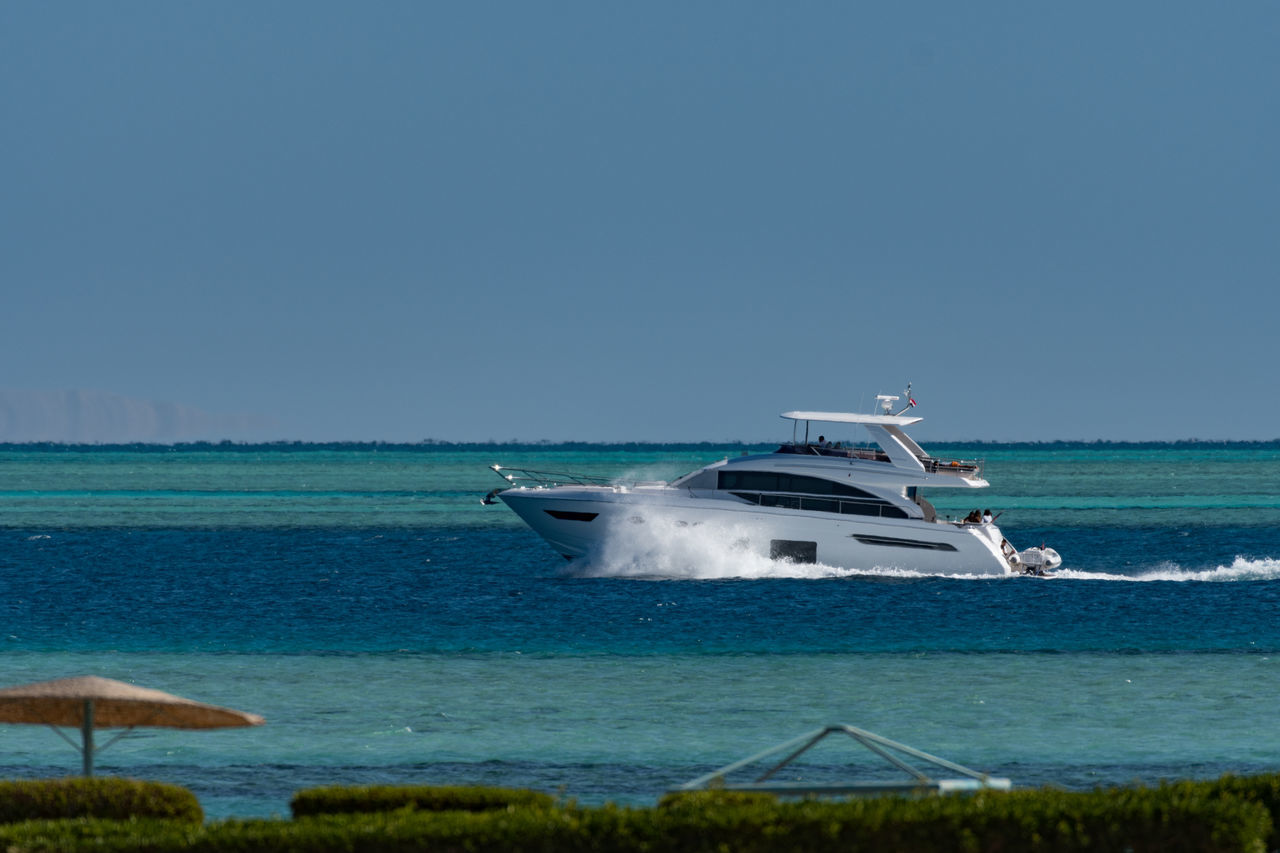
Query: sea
{"points": [[393, 630]]}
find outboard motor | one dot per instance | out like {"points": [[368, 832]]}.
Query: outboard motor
{"points": [[1037, 561]]}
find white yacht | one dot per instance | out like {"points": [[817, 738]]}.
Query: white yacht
{"points": [[810, 501]]}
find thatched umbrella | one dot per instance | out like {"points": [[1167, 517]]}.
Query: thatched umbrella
{"points": [[88, 702]]}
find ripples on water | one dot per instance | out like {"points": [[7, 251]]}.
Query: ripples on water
{"points": [[391, 629]]}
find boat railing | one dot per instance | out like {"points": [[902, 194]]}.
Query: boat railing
{"points": [[547, 479], [823, 503], [840, 451], [932, 465]]}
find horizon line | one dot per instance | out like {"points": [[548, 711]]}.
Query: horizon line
{"points": [[433, 443]]}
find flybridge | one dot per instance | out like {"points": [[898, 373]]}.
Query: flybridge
{"points": [[896, 447]]}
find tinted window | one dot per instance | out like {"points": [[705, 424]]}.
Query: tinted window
{"points": [[768, 481], [763, 487], [784, 501], [883, 510]]}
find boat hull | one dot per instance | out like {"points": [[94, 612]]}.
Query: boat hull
{"points": [[583, 522]]}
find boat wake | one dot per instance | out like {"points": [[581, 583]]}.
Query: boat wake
{"points": [[665, 549], [690, 552], [1241, 569]]}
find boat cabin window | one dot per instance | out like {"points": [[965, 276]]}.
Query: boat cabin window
{"points": [[769, 481], [761, 488]]}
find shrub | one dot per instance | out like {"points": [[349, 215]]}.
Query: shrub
{"points": [[339, 799], [137, 835], [1178, 818], [1139, 820], [1263, 789], [714, 798], [102, 798]]}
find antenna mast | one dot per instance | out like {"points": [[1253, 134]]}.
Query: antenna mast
{"points": [[911, 401]]}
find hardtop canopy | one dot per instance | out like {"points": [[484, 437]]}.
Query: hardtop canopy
{"points": [[851, 418]]}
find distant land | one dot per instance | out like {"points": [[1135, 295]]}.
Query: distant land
{"points": [[87, 417], [100, 417]]}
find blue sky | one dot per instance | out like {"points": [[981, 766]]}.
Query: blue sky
{"points": [[650, 221]]}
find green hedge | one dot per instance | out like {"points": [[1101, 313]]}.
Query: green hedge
{"points": [[1179, 818], [1140, 820], [714, 798], [102, 798], [1264, 789], [109, 836], [338, 799]]}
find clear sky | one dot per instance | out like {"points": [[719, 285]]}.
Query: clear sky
{"points": [[647, 221]]}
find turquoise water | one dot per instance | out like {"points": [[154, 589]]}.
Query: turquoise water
{"points": [[391, 629]]}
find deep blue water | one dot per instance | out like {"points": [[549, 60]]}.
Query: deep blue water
{"points": [[392, 629], [283, 591]]}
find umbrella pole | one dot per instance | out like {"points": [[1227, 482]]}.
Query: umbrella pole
{"points": [[86, 731]]}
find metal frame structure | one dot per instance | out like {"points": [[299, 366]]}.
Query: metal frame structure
{"points": [[891, 751], [87, 749]]}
